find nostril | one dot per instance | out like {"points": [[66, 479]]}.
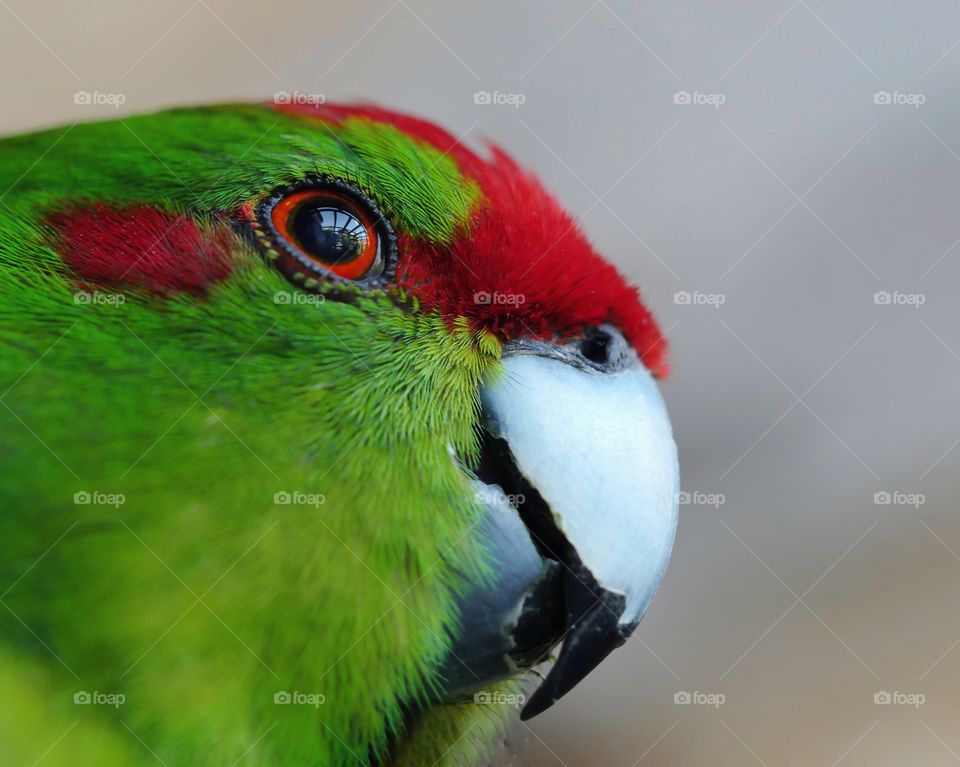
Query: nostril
{"points": [[595, 346]]}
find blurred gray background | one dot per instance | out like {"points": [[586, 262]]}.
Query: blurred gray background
{"points": [[782, 179]]}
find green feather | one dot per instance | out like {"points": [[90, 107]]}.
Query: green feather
{"points": [[200, 597]]}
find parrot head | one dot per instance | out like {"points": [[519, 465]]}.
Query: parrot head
{"points": [[385, 427]]}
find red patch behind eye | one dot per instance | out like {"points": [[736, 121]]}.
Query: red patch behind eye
{"points": [[142, 247], [524, 268]]}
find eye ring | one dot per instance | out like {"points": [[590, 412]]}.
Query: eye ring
{"points": [[325, 230]]}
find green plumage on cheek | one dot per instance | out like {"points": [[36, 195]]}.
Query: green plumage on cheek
{"points": [[271, 506]]}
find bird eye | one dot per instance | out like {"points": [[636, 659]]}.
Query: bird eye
{"points": [[327, 229]]}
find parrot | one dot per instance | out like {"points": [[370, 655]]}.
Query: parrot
{"points": [[325, 439]]}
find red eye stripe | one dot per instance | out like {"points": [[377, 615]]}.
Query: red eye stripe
{"points": [[141, 247]]}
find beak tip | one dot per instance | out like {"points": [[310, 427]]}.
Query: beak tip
{"points": [[590, 639], [535, 706]]}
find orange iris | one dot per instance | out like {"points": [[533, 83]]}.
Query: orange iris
{"points": [[329, 229]]}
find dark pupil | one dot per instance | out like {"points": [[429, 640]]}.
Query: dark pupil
{"points": [[328, 233]]}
